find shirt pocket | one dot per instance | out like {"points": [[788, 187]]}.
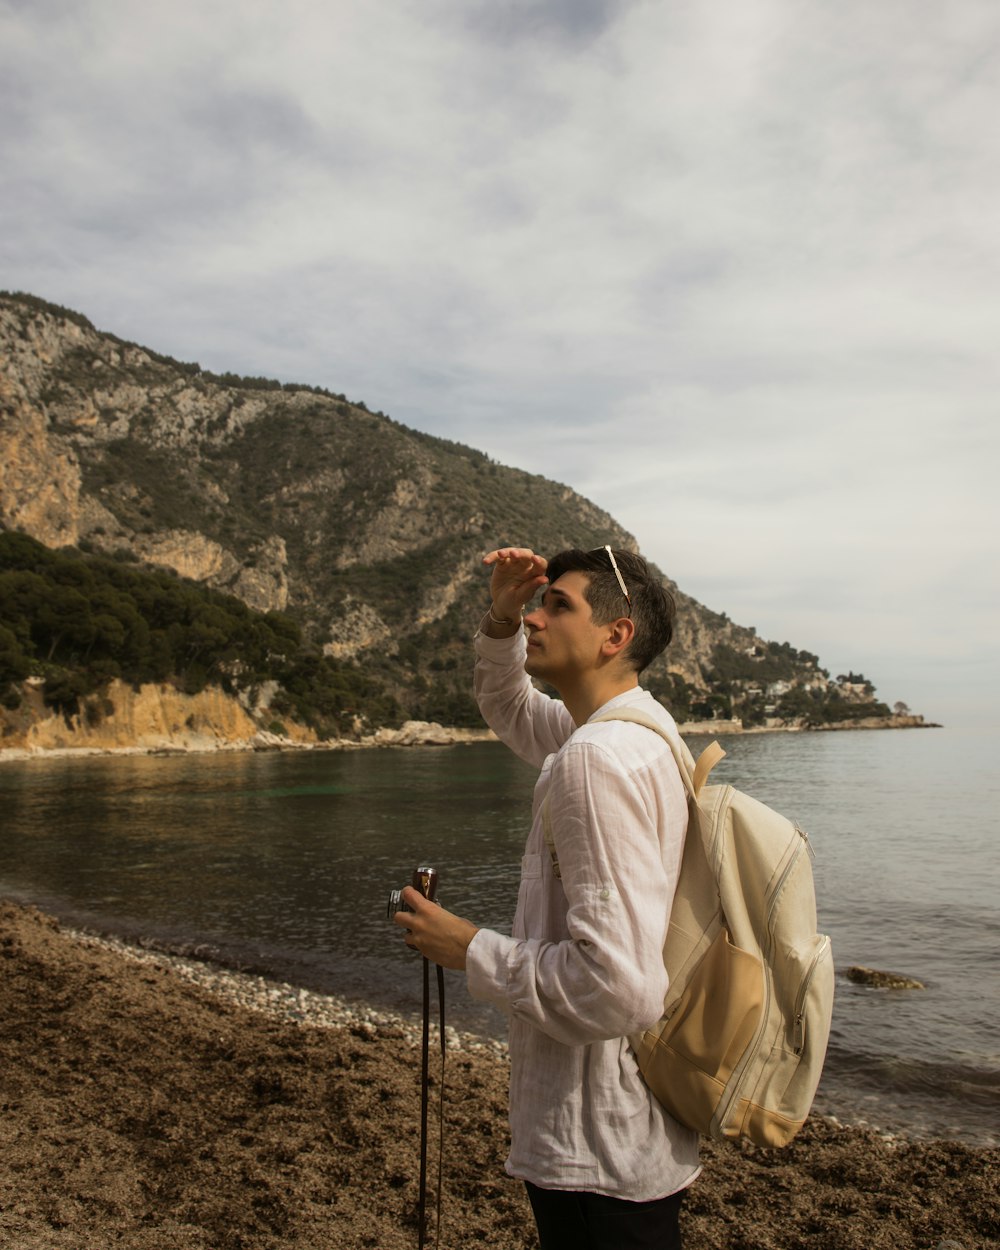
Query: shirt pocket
{"points": [[531, 866]]}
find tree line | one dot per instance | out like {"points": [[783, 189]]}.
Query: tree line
{"points": [[77, 621]]}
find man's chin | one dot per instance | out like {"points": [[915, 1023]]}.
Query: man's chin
{"points": [[533, 665]]}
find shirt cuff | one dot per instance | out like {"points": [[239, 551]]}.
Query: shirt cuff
{"points": [[503, 649], [487, 961]]}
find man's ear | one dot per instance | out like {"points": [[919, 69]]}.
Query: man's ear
{"points": [[620, 634]]}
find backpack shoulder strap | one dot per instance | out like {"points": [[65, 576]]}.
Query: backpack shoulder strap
{"points": [[693, 775]]}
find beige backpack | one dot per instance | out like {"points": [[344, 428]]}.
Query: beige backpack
{"points": [[740, 1046]]}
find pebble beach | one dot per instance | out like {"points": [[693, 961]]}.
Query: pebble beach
{"points": [[152, 1101]]}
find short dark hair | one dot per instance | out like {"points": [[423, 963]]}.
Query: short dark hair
{"points": [[652, 605]]}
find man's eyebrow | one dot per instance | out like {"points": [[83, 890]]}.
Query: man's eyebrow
{"points": [[554, 590]]}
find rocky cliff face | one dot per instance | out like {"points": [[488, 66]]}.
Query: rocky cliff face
{"points": [[152, 718], [41, 476], [289, 498]]}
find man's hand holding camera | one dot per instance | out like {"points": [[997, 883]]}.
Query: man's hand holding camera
{"points": [[438, 935]]}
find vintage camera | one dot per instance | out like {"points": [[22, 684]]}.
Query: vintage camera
{"points": [[424, 879]]}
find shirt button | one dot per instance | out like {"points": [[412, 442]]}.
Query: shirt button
{"points": [[605, 893]]}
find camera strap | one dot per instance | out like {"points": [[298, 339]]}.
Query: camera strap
{"points": [[424, 1101]]}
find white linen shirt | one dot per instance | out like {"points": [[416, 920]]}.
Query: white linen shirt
{"points": [[583, 968]]}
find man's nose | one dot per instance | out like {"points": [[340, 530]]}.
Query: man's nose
{"points": [[533, 619]]}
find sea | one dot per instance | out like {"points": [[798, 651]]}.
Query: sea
{"points": [[282, 863]]}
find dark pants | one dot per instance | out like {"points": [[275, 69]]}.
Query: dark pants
{"points": [[568, 1220]]}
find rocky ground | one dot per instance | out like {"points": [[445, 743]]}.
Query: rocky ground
{"points": [[149, 1102]]}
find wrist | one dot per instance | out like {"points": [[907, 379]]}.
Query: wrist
{"points": [[495, 625]]}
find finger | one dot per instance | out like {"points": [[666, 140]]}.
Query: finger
{"points": [[403, 918], [503, 555], [518, 577], [527, 566], [518, 588], [414, 899]]}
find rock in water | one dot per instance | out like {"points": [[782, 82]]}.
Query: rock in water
{"points": [[882, 980]]}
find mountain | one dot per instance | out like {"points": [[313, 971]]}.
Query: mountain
{"points": [[366, 534]]}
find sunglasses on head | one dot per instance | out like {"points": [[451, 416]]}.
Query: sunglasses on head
{"points": [[617, 572]]}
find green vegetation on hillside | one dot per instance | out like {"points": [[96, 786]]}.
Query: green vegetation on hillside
{"points": [[764, 662], [816, 707], [78, 621]]}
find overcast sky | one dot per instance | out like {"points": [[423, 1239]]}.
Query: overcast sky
{"points": [[729, 268]]}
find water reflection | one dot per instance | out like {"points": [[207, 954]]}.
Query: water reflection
{"points": [[284, 863], [280, 861]]}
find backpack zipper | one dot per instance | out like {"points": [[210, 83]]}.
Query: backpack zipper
{"points": [[799, 1022], [792, 853]]}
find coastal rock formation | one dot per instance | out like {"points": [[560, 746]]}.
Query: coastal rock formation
{"points": [[262, 581], [358, 630], [882, 980], [189, 554], [709, 728], [154, 717], [417, 733], [881, 722], [160, 718], [41, 475]]}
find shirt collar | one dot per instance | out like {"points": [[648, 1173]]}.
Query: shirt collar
{"points": [[625, 699]]}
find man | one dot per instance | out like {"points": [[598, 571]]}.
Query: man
{"points": [[604, 1164]]}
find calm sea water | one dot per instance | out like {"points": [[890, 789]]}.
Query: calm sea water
{"points": [[283, 863]]}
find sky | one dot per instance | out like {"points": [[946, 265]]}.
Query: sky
{"points": [[729, 268]]}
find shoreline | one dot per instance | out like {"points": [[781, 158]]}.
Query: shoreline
{"points": [[411, 734], [158, 1103], [257, 986], [284, 1000]]}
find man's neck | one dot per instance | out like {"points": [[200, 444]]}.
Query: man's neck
{"points": [[587, 696]]}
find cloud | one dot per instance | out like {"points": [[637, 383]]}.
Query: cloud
{"points": [[566, 23], [729, 270]]}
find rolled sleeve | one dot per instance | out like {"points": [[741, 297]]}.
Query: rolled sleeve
{"points": [[487, 961]]}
